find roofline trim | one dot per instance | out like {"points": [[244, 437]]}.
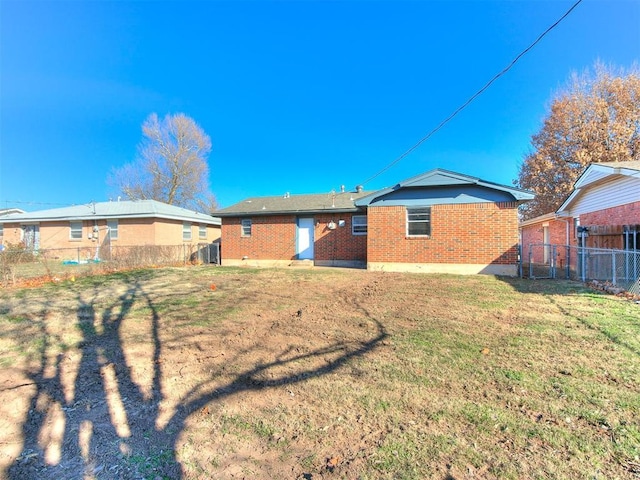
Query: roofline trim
{"points": [[212, 220], [265, 213]]}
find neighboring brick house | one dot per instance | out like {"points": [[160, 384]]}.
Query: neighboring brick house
{"points": [[543, 232], [602, 211], [439, 221], [122, 223]]}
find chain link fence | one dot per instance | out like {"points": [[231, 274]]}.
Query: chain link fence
{"points": [[617, 267], [18, 264]]}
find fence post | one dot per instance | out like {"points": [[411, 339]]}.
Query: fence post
{"points": [[530, 261], [613, 267], [519, 260]]}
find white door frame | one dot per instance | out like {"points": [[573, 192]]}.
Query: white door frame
{"points": [[305, 238]]}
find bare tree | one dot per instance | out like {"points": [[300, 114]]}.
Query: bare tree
{"points": [[595, 119], [171, 166]]}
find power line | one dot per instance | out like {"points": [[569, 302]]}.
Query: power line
{"points": [[473, 97], [19, 202]]}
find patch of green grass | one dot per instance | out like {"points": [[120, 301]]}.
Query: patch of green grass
{"points": [[6, 361], [177, 302], [151, 466], [513, 375], [260, 427], [15, 319], [412, 455], [309, 461]]}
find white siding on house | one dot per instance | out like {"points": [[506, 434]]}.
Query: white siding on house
{"points": [[618, 191], [592, 177]]}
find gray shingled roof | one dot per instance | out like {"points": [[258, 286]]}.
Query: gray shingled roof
{"points": [[120, 210], [284, 204], [443, 178]]}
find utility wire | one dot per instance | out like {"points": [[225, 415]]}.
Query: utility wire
{"points": [[20, 202], [473, 97]]}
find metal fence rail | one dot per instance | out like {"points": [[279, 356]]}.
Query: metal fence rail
{"points": [[618, 267], [17, 264]]}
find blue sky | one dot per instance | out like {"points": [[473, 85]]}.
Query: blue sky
{"points": [[297, 96]]}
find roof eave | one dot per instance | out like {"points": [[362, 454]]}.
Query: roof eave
{"points": [[286, 212], [66, 218]]}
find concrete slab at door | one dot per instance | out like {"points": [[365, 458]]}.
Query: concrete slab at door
{"points": [[304, 243]]}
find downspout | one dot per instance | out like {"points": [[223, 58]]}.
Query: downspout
{"points": [[567, 247]]}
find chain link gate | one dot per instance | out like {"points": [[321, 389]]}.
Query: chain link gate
{"points": [[618, 267]]}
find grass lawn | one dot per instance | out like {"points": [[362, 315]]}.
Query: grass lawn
{"points": [[211, 372]]}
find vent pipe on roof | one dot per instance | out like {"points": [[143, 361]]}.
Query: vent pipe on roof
{"points": [[359, 189]]}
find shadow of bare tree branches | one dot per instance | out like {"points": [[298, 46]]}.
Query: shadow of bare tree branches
{"points": [[90, 418]]}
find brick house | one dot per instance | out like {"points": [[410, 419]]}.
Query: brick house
{"points": [[326, 229], [602, 211], [549, 229], [121, 223], [439, 221]]}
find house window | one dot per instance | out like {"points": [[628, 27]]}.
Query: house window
{"points": [[202, 232], [186, 231], [419, 221], [1, 230], [246, 227], [359, 225], [113, 229], [75, 231]]}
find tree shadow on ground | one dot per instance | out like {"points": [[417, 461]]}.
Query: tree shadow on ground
{"points": [[102, 423]]}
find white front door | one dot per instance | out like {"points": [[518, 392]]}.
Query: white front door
{"points": [[304, 247]]}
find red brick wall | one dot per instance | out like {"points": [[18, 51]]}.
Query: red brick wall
{"points": [[274, 238], [338, 244], [479, 233], [628, 214]]}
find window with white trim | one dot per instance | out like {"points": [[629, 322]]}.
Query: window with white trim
{"points": [[202, 232], [246, 227], [186, 231], [113, 229], [419, 222], [359, 225], [75, 230]]}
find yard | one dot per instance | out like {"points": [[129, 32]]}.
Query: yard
{"points": [[206, 372]]}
